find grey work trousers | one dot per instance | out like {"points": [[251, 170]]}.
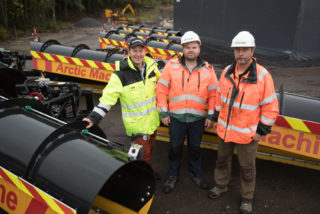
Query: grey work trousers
{"points": [[246, 154]]}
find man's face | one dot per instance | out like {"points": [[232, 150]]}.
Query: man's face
{"points": [[137, 54], [243, 55], [191, 50]]}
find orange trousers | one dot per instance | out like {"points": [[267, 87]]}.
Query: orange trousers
{"points": [[148, 146]]}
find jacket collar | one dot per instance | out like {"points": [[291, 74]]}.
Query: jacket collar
{"points": [[200, 62], [252, 73]]}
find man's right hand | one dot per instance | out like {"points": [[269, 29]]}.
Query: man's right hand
{"points": [[166, 120], [88, 121]]}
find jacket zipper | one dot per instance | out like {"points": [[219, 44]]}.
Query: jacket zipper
{"points": [[198, 81], [225, 133], [241, 101], [182, 79]]}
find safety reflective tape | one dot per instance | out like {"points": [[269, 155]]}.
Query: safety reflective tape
{"points": [[218, 108], [48, 56], [211, 112], [35, 193], [35, 55], [245, 106], [187, 97], [104, 106], [267, 120], [234, 128], [99, 111], [161, 33], [137, 105], [163, 109], [77, 61], [188, 111], [73, 60], [254, 128], [149, 49], [237, 104], [268, 99], [140, 113], [212, 87], [298, 124], [262, 74], [163, 82]]}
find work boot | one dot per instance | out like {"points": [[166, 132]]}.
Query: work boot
{"points": [[169, 184], [156, 176], [200, 182], [246, 207], [215, 192]]}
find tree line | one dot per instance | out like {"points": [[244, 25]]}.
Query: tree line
{"points": [[19, 15]]}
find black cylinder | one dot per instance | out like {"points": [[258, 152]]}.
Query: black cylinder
{"points": [[68, 164]]}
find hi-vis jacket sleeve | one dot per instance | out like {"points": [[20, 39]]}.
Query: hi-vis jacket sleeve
{"points": [[269, 106], [212, 95], [158, 74], [162, 91], [109, 97]]}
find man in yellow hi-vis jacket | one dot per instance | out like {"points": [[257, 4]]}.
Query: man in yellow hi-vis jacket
{"points": [[134, 83]]}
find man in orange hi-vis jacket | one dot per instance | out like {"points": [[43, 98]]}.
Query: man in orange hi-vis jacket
{"points": [[190, 85], [246, 108]]}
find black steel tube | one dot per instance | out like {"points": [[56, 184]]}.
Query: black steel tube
{"points": [[69, 164]]}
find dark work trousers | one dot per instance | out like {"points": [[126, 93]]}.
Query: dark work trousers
{"points": [[148, 146], [247, 160], [178, 131]]}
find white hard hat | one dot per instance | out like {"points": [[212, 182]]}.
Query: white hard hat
{"points": [[190, 36], [243, 39]]}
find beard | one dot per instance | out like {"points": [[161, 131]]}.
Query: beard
{"points": [[243, 61], [190, 57]]}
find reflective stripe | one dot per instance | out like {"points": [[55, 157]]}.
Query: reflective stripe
{"points": [[188, 110], [187, 97], [218, 108], [245, 106], [163, 82], [261, 75], [212, 87], [218, 88], [211, 112], [205, 69], [163, 109], [268, 99], [175, 65], [141, 113], [106, 107], [267, 120], [136, 105], [99, 111], [235, 128], [225, 100], [237, 104], [117, 65], [254, 128]]}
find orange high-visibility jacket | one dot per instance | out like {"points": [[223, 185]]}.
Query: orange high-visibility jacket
{"points": [[188, 92], [246, 106]]}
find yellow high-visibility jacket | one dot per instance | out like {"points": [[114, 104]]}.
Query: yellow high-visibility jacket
{"points": [[137, 97]]}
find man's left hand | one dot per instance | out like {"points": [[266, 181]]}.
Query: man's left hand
{"points": [[208, 124], [257, 137]]}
